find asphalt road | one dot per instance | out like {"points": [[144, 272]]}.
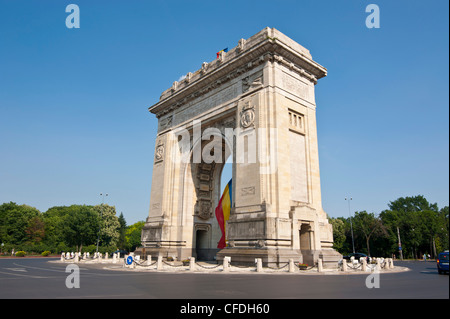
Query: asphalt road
{"points": [[29, 278]]}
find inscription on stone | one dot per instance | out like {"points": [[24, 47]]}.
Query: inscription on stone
{"points": [[247, 191]]}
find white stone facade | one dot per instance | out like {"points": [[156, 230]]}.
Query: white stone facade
{"points": [[255, 104]]}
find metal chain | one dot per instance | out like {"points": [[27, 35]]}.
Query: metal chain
{"points": [[277, 268], [214, 267], [172, 265], [351, 267]]}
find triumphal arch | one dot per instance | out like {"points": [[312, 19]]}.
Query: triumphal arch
{"points": [[253, 106]]}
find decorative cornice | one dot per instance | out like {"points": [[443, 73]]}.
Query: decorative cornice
{"points": [[267, 45]]}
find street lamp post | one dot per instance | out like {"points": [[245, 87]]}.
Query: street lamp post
{"points": [[101, 216], [351, 222], [399, 244]]}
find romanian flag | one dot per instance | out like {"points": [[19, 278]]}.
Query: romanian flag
{"points": [[224, 50], [223, 212]]}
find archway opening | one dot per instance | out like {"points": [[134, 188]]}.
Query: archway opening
{"points": [[202, 244], [208, 175]]}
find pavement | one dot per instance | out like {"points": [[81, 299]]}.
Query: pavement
{"points": [[38, 278]]}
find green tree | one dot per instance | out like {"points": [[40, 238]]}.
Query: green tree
{"points": [[442, 238], [109, 224], [36, 229], [80, 226], [133, 235], [53, 226], [367, 225], [420, 225], [339, 237], [15, 221], [122, 229]]}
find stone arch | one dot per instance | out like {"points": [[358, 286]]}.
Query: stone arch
{"points": [[204, 179]]}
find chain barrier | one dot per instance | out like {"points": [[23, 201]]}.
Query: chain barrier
{"points": [[278, 268], [214, 267], [140, 262], [238, 266], [354, 268], [313, 266], [172, 265]]}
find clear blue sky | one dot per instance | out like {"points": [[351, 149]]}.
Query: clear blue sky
{"points": [[73, 102]]}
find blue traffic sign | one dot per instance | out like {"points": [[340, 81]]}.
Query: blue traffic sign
{"points": [[129, 260]]}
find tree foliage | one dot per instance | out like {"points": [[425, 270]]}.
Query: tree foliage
{"points": [[133, 235], [64, 228], [108, 224], [423, 229]]}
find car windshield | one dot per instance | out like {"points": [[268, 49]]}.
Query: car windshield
{"points": [[443, 257]]}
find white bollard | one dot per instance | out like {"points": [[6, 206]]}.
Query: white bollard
{"points": [[149, 260], [226, 264], [344, 265], [378, 267], [363, 263], [319, 265], [159, 265], [258, 265], [191, 263], [291, 265], [62, 256]]}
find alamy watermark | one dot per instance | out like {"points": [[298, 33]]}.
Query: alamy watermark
{"points": [[373, 19], [73, 19], [73, 279], [373, 280], [236, 145]]}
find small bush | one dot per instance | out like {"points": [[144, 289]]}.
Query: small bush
{"points": [[21, 253], [45, 253]]}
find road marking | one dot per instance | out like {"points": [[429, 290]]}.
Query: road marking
{"points": [[20, 275], [17, 269]]}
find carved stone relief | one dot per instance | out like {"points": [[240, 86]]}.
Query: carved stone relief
{"points": [[159, 152], [252, 82], [247, 115]]}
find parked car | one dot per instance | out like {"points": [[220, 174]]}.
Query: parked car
{"points": [[442, 262], [356, 255]]}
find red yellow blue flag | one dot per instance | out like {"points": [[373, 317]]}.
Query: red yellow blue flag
{"points": [[223, 212], [224, 50]]}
